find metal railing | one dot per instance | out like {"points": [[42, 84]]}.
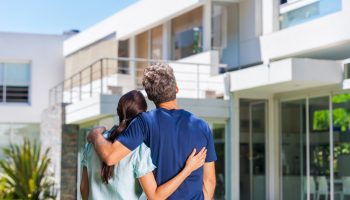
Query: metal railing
{"points": [[119, 75]]}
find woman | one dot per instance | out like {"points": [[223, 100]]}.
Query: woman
{"points": [[100, 181]]}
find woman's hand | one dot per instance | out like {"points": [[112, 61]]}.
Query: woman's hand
{"points": [[195, 161]]}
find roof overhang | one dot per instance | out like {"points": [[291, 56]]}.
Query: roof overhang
{"points": [[286, 75], [134, 19]]}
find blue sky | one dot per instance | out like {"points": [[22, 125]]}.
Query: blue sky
{"points": [[55, 16]]}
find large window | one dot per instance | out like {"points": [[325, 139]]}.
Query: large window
{"points": [[224, 32], [14, 82], [157, 43], [299, 12], [252, 139], [293, 151], [149, 45], [187, 34], [341, 139], [123, 51], [315, 147]]}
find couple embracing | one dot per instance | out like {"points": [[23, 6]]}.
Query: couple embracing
{"points": [[169, 150]]}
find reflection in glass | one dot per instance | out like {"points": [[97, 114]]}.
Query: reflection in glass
{"points": [[252, 149], [293, 150], [187, 34], [219, 139], [341, 138], [156, 43], [319, 144]]}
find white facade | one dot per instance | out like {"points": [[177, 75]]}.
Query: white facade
{"points": [[44, 55], [298, 73]]}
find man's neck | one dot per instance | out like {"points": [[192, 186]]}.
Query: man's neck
{"points": [[169, 105]]}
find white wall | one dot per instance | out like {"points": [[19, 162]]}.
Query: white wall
{"points": [[249, 31], [44, 52]]}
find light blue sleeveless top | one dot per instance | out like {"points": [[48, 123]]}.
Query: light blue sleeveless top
{"points": [[122, 186]]}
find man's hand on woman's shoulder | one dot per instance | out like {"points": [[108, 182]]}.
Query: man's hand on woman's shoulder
{"points": [[93, 134]]}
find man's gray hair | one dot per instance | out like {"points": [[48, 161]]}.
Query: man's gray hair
{"points": [[160, 83]]}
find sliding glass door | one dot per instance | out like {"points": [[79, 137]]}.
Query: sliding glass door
{"points": [[293, 151], [253, 149], [315, 148]]}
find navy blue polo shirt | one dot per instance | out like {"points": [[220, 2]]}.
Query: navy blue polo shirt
{"points": [[171, 136]]}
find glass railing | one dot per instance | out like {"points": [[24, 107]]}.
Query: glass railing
{"points": [[295, 14]]}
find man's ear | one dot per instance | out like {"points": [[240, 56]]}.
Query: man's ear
{"points": [[177, 89]]}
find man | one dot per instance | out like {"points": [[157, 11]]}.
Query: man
{"points": [[170, 132]]}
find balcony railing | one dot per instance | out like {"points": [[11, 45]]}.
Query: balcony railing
{"points": [[119, 75]]}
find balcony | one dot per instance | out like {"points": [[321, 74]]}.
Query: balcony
{"points": [[116, 76], [318, 34]]}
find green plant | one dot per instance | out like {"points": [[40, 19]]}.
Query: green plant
{"points": [[25, 172]]}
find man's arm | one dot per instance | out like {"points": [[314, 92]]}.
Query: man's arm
{"points": [[209, 180], [110, 153]]}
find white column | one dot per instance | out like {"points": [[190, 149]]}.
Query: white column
{"points": [[207, 25], [167, 40], [132, 54], [232, 149], [272, 149], [270, 14], [345, 5]]}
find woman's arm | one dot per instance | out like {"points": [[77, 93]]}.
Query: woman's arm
{"points": [[84, 185], [162, 192]]}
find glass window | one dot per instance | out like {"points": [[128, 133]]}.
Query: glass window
{"points": [[187, 34], [142, 51], [156, 43], [319, 146], [123, 51], [14, 133], [16, 74], [308, 12], [347, 71], [219, 139], [14, 82], [283, 1], [224, 32], [293, 151], [1, 73], [341, 138], [252, 168]]}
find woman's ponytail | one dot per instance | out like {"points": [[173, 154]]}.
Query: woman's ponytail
{"points": [[129, 106], [107, 171]]}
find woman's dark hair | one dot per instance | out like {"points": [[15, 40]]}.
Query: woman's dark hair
{"points": [[129, 106]]}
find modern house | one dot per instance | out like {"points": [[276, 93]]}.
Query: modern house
{"points": [[281, 123], [107, 60], [271, 77]]}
